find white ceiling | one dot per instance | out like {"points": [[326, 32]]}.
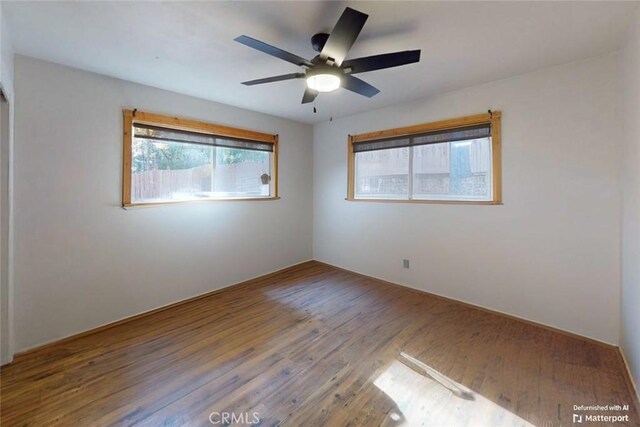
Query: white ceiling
{"points": [[188, 47]]}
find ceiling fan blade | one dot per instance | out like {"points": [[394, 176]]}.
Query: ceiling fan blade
{"points": [[343, 36], [273, 51], [356, 85], [379, 62], [309, 95], [274, 79]]}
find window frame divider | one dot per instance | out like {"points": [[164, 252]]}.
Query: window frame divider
{"points": [[410, 177]]}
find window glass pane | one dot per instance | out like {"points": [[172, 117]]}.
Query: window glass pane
{"points": [[453, 171], [241, 173], [382, 174], [173, 171]]}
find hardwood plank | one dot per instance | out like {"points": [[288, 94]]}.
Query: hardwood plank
{"points": [[315, 345]]}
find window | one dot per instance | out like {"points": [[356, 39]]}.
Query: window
{"points": [[168, 160], [453, 161]]}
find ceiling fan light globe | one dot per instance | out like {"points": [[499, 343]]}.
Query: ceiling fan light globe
{"points": [[323, 82]]}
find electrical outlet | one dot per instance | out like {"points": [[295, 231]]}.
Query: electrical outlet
{"points": [[405, 263]]}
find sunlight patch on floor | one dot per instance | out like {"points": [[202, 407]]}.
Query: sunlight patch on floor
{"points": [[424, 396]]}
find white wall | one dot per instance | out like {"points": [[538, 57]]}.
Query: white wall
{"points": [[630, 320], [555, 249], [550, 254], [6, 56], [80, 260], [6, 178]]}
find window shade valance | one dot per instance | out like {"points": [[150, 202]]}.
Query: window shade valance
{"points": [[175, 135], [434, 137]]}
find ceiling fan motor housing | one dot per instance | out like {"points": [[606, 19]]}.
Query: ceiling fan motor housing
{"points": [[324, 69]]}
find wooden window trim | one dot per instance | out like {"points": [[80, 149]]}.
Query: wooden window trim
{"points": [[134, 116], [496, 148]]}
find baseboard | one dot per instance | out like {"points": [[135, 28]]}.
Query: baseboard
{"points": [[23, 354], [6, 362], [633, 387], [479, 307]]}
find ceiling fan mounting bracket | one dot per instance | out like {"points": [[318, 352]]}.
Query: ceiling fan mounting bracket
{"points": [[318, 41]]}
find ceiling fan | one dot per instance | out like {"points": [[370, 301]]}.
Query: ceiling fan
{"points": [[328, 70]]}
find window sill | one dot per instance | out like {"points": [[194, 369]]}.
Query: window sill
{"points": [[183, 202], [430, 202]]}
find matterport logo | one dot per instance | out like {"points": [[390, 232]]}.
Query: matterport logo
{"points": [[228, 418]]}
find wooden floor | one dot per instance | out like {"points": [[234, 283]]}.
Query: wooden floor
{"points": [[315, 345]]}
